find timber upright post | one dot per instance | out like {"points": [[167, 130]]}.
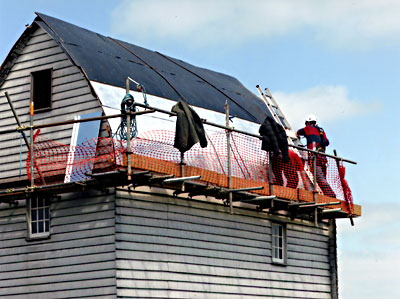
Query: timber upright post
{"points": [[128, 135], [228, 152]]}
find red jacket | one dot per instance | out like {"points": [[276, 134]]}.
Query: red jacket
{"points": [[314, 134]]}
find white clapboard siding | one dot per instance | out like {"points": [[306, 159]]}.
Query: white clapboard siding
{"points": [[71, 95], [77, 260], [181, 248]]}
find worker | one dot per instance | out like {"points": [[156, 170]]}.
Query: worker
{"points": [[315, 135], [290, 170], [317, 141]]}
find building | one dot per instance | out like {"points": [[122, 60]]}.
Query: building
{"points": [[95, 225]]}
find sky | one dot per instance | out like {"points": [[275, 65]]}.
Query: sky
{"points": [[339, 60]]}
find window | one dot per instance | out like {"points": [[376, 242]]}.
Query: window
{"points": [[38, 215], [278, 243], [81, 133], [41, 89]]}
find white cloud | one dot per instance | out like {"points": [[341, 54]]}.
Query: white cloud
{"points": [[369, 275], [369, 255], [339, 23], [328, 103]]}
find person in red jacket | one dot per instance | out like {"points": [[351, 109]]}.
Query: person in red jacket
{"points": [[290, 170], [317, 141], [315, 135]]}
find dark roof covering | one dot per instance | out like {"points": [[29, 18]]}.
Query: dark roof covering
{"points": [[111, 61]]}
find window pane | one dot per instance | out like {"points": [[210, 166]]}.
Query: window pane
{"points": [[41, 226], [33, 203], [47, 228], [40, 213], [275, 230], [47, 202], [33, 215], [34, 227], [47, 213], [280, 242]]}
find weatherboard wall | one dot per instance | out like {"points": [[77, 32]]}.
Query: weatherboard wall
{"points": [[71, 95], [181, 248], [78, 259]]}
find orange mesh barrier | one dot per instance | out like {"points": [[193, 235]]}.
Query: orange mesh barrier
{"points": [[54, 161], [153, 150]]}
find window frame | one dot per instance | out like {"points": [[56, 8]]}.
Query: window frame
{"points": [[278, 257], [50, 104], [29, 208]]}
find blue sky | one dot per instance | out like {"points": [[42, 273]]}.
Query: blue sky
{"points": [[337, 59]]}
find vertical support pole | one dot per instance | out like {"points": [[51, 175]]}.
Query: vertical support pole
{"points": [[31, 142], [128, 136], [183, 169], [315, 188], [315, 176], [228, 151], [23, 134], [271, 186]]}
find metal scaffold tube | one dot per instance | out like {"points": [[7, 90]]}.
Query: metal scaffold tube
{"points": [[28, 145], [150, 109], [31, 143], [128, 135], [228, 152]]}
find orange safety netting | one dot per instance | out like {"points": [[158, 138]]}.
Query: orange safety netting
{"points": [[56, 162]]}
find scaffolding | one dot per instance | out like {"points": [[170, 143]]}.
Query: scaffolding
{"points": [[229, 179]]}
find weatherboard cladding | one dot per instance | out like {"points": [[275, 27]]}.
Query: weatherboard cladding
{"points": [[71, 95], [110, 61], [78, 260], [179, 248], [144, 245]]}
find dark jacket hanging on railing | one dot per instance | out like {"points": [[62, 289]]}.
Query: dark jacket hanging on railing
{"points": [[189, 128], [274, 138]]}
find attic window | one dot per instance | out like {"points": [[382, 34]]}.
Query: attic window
{"points": [[41, 89]]}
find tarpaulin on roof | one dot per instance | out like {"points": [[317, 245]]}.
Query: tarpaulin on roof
{"points": [[110, 61]]}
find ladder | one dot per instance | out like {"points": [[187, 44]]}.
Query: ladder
{"points": [[280, 118], [278, 115]]}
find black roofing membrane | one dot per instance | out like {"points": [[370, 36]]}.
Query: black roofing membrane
{"points": [[111, 61]]}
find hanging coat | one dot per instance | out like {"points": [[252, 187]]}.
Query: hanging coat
{"points": [[189, 128], [274, 138]]}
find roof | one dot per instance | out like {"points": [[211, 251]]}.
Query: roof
{"points": [[110, 61]]}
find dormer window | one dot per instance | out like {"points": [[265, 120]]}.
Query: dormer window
{"points": [[41, 89]]}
